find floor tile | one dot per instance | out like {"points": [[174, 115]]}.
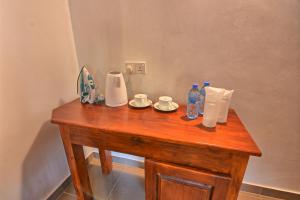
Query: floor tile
{"points": [[65, 196], [130, 186], [268, 198], [248, 196], [124, 161], [126, 183], [101, 184]]}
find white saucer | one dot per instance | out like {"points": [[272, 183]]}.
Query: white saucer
{"points": [[173, 107], [132, 103]]}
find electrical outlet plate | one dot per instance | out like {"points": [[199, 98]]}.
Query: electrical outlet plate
{"points": [[135, 67]]}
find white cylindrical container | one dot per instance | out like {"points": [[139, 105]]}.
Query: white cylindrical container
{"points": [[211, 106], [224, 106], [115, 90]]}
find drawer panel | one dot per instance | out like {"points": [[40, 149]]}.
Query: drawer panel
{"points": [[172, 182]]}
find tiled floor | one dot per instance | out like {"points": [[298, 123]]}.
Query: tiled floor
{"points": [[125, 183]]}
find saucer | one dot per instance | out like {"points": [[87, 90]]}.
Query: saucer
{"points": [[132, 103], [172, 108]]}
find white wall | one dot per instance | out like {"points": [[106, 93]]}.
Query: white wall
{"points": [[250, 46], [38, 73]]}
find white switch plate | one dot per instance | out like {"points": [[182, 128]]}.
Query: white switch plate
{"points": [[135, 67]]}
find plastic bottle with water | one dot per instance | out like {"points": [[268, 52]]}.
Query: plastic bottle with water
{"points": [[193, 102], [202, 97]]}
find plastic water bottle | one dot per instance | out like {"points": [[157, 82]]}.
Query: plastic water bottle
{"points": [[202, 97], [193, 102]]}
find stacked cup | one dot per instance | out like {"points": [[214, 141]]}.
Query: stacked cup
{"points": [[217, 101]]}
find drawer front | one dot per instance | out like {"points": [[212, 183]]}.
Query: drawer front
{"points": [[181, 189], [171, 182]]}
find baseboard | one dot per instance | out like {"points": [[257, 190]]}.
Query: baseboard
{"points": [[136, 163], [280, 194], [61, 188]]}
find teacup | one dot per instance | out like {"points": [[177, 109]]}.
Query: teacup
{"points": [[140, 99], [165, 102]]}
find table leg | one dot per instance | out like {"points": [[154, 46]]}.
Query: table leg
{"points": [[77, 165], [106, 161], [237, 173]]}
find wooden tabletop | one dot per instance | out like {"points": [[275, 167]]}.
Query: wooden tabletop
{"points": [[170, 127]]}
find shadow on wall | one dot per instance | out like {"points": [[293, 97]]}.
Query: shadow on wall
{"points": [[44, 165]]}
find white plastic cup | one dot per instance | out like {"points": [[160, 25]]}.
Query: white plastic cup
{"points": [[211, 106], [224, 106]]}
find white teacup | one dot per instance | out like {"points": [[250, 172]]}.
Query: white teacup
{"points": [[165, 102], [140, 99]]}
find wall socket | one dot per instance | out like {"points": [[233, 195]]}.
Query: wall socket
{"points": [[135, 67]]}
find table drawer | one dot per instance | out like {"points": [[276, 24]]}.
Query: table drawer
{"points": [[172, 182]]}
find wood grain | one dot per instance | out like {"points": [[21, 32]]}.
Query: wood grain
{"points": [[184, 160], [170, 189], [167, 182], [171, 127], [77, 165], [238, 168], [198, 157], [106, 161]]}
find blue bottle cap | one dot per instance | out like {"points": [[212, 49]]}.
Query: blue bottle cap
{"points": [[195, 86], [206, 83]]}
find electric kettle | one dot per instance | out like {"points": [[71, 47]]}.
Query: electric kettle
{"points": [[115, 89]]}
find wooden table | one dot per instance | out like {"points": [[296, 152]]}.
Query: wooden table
{"points": [[183, 159]]}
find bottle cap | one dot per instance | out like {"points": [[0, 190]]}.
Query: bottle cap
{"points": [[206, 83], [195, 86]]}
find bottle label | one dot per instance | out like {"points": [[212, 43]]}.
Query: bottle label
{"points": [[192, 100]]}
